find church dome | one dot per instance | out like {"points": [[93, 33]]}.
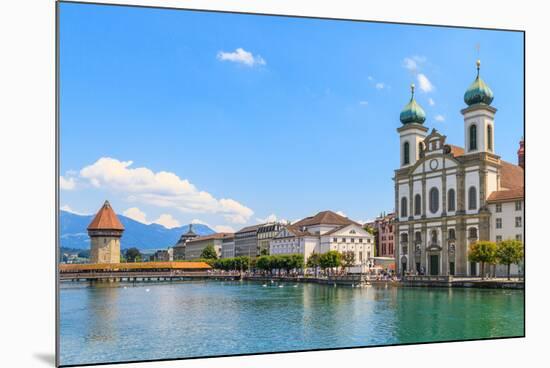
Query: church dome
{"points": [[478, 92], [412, 112]]}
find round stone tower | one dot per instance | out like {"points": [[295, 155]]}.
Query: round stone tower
{"points": [[105, 231]]}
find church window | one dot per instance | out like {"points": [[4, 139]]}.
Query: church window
{"points": [[472, 233], [404, 207], [434, 200], [420, 149], [434, 236], [451, 206], [418, 236], [417, 204], [472, 198], [406, 153], [404, 238], [489, 137], [473, 137], [452, 234]]}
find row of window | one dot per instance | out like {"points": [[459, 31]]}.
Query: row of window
{"points": [[451, 235], [499, 238], [498, 222], [433, 201], [517, 204], [352, 240]]}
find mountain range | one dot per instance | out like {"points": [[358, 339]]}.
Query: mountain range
{"points": [[136, 234]]}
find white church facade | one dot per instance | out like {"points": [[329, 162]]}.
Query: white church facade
{"points": [[447, 197]]}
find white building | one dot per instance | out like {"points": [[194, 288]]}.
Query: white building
{"points": [[323, 232], [448, 197]]}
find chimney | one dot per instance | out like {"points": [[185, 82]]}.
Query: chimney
{"points": [[521, 153]]}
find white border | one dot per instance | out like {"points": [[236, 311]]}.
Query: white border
{"points": [[27, 181]]}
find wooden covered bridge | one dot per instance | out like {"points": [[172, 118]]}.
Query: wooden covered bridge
{"points": [[141, 271]]}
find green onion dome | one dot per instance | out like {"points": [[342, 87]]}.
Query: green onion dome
{"points": [[412, 112], [478, 92]]}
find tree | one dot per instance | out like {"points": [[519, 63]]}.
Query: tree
{"points": [[509, 252], [348, 258], [484, 252], [209, 252], [133, 255], [264, 263], [330, 260]]}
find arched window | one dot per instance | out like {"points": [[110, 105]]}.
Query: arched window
{"points": [[451, 200], [434, 200], [473, 137], [404, 238], [472, 233], [418, 236], [489, 137], [404, 207], [420, 149], [417, 204], [406, 153], [472, 198], [434, 237], [452, 234]]}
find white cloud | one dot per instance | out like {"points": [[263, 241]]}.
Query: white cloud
{"points": [[270, 218], [439, 118], [136, 214], [370, 78], [363, 103], [161, 189], [380, 85], [167, 221], [410, 64], [431, 101], [341, 213], [67, 183], [424, 83], [241, 56], [224, 229]]}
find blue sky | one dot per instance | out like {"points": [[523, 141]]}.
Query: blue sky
{"points": [[226, 119]]}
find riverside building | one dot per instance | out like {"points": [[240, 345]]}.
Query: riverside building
{"points": [[321, 233], [195, 247], [447, 197], [178, 251]]}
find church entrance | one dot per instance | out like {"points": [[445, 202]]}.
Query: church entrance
{"points": [[434, 265]]}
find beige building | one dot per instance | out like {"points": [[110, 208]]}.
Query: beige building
{"points": [[194, 247], [105, 231]]}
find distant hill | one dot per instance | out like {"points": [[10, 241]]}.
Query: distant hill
{"points": [[153, 236]]}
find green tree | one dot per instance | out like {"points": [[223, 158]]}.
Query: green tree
{"points": [[133, 255], [264, 263], [484, 252], [329, 260], [509, 252], [209, 252], [348, 258], [313, 262]]}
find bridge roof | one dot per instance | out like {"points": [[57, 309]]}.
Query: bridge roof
{"points": [[134, 266]]}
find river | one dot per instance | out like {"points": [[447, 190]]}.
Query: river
{"points": [[124, 322]]}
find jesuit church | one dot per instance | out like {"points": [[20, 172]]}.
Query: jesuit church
{"points": [[447, 197]]}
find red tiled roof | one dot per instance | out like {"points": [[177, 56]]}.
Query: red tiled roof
{"points": [[106, 219], [456, 150], [511, 176], [325, 218], [506, 195]]}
